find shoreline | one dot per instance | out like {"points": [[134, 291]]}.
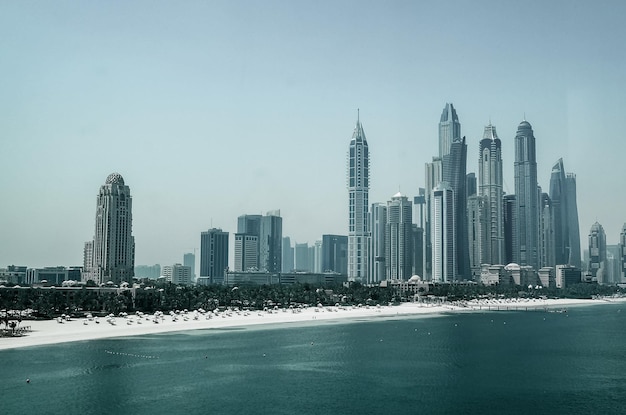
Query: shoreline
{"points": [[47, 332]]}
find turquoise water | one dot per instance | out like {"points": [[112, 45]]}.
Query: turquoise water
{"points": [[478, 363]]}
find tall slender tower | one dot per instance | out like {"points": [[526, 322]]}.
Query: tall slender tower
{"points": [[434, 176], [572, 221], [358, 193], [454, 173], [443, 234], [377, 257], [558, 196], [622, 254], [490, 187], [449, 130], [270, 242], [112, 251], [526, 198]]}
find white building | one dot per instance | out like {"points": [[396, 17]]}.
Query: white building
{"points": [[177, 274], [443, 234]]}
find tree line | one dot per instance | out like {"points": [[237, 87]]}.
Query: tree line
{"points": [[50, 302]]}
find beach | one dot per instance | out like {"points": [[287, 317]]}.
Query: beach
{"points": [[45, 332]]}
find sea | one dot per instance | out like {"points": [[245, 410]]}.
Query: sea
{"points": [[498, 362]]}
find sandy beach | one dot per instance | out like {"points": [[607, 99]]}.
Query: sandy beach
{"points": [[52, 331]]}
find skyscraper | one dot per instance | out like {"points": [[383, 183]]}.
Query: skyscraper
{"points": [[622, 254], [214, 255], [454, 173], [558, 196], [572, 221], [449, 129], [189, 260], [546, 232], [288, 255], [377, 271], [111, 254], [335, 254], [526, 198], [443, 234], [270, 242], [358, 194], [597, 253], [399, 238], [478, 223], [246, 252], [303, 263], [434, 176], [510, 228], [490, 187]]}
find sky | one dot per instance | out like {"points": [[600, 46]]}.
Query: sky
{"points": [[214, 109]]}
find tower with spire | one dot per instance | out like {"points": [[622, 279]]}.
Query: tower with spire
{"points": [[358, 195]]}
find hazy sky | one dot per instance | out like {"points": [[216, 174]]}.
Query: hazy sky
{"points": [[213, 109]]}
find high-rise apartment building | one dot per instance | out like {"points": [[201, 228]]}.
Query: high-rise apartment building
{"points": [[177, 274], [510, 228], [377, 271], [478, 230], [443, 234], [335, 254], [434, 176], [526, 198], [246, 252], [111, 254], [490, 188], [546, 232], [597, 253], [399, 238], [358, 194], [214, 255]]}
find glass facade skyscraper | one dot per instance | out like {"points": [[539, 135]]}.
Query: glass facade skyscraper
{"points": [[214, 255], [573, 225], [449, 129]]}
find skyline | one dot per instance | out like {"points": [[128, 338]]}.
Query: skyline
{"points": [[205, 109]]}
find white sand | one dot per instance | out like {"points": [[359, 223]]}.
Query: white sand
{"points": [[52, 332]]}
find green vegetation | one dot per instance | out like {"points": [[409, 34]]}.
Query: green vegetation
{"points": [[51, 302]]}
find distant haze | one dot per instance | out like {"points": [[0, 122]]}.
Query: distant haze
{"points": [[210, 110]]}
